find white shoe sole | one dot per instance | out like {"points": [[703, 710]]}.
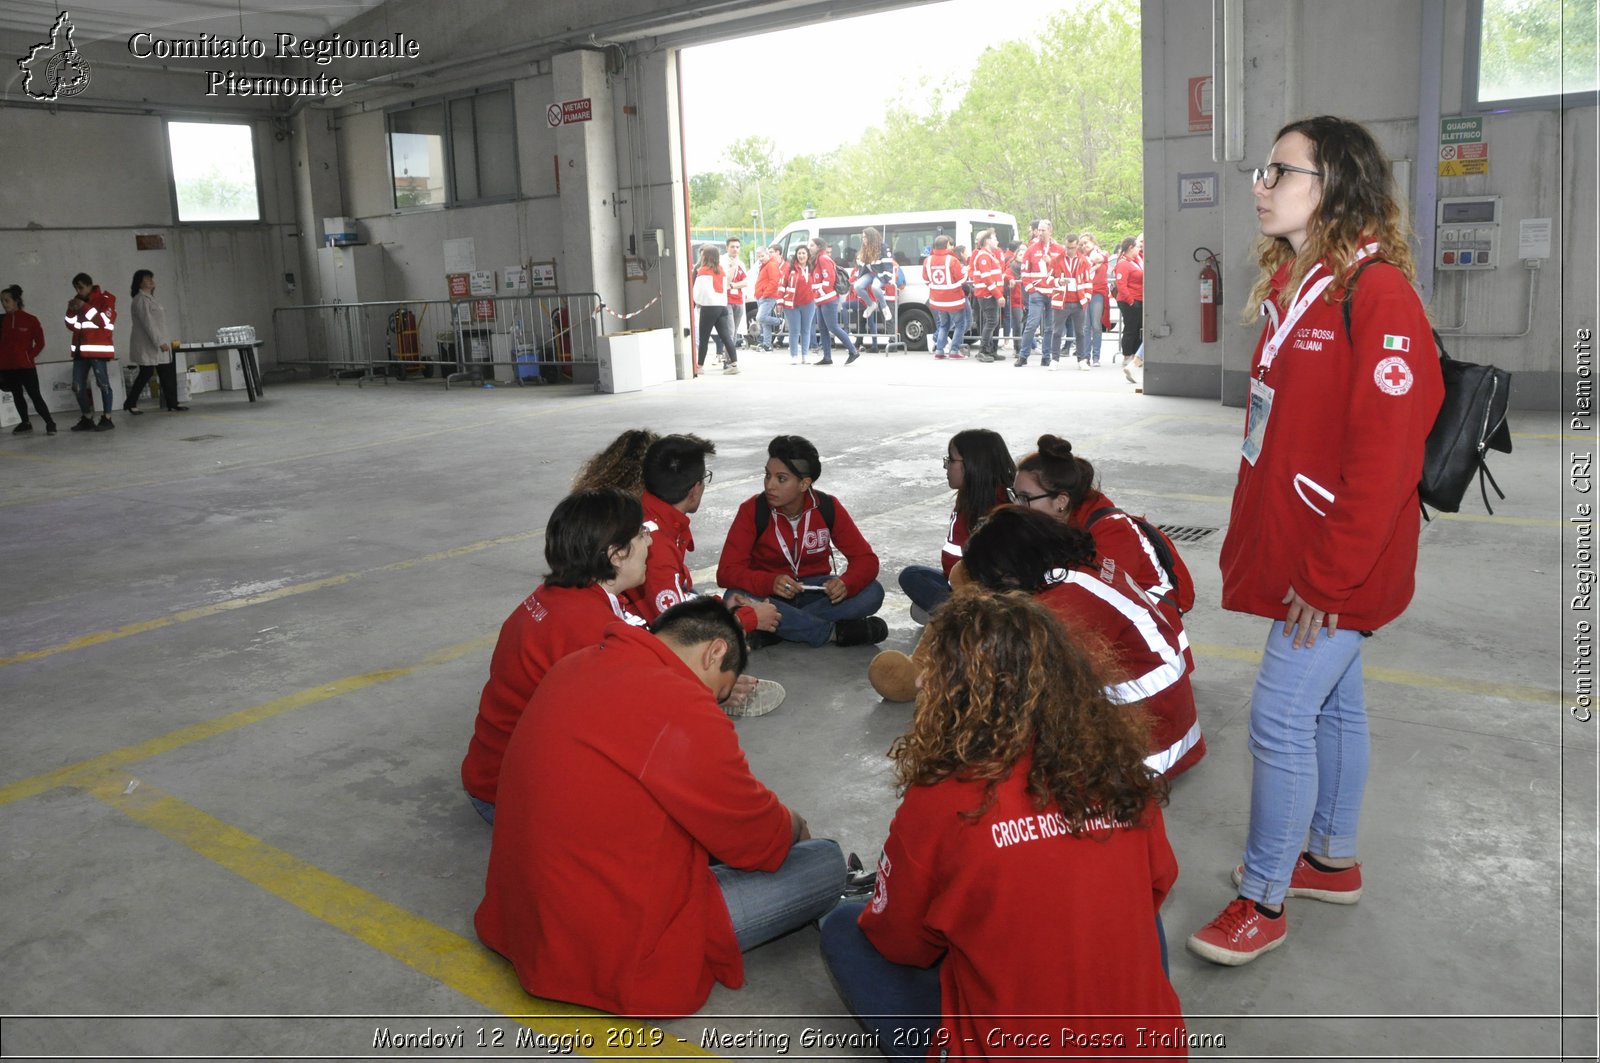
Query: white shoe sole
{"points": [[766, 696], [1230, 957]]}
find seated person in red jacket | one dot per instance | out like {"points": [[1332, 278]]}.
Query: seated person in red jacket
{"points": [[1020, 888], [635, 856], [978, 467], [596, 546], [780, 548], [1021, 549], [675, 478]]}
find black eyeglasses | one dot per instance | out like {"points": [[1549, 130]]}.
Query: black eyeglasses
{"points": [[1270, 174], [706, 478], [1017, 496], [950, 461]]}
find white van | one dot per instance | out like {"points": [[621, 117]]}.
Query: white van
{"points": [[909, 236]]}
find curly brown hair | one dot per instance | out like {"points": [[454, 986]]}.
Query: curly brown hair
{"points": [[1002, 678], [620, 465]]}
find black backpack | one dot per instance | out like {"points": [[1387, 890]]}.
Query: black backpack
{"points": [[825, 504], [1471, 419]]}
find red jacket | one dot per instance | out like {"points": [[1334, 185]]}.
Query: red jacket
{"points": [[960, 891], [795, 287], [755, 566], [823, 275], [737, 275], [944, 273], [21, 339], [987, 275], [93, 326], [622, 782], [1102, 603], [1042, 265], [1098, 265], [667, 579], [1130, 279], [769, 277], [1072, 283], [549, 624], [1116, 536], [1330, 506]]}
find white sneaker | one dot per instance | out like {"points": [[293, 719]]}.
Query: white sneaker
{"points": [[1084, 367], [732, 370], [794, 359], [1051, 368], [766, 696], [1128, 374], [872, 308]]}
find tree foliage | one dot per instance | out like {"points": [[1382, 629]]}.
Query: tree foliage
{"points": [[1536, 48], [1045, 128]]}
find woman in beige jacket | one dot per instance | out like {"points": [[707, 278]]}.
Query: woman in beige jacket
{"points": [[151, 346]]}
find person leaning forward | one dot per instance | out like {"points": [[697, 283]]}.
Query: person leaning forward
{"points": [[621, 786]]}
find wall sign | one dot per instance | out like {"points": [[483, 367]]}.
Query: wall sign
{"points": [[1197, 190]]}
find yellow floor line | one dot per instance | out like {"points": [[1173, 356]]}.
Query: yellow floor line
{"points": [[1401, 677], [71, 774], [447, 958], [201, 612]]}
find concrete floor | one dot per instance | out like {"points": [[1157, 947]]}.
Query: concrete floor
{"points": [[243, 647]]}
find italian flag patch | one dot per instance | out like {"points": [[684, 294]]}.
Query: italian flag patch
{"points": [[1397, 343]]}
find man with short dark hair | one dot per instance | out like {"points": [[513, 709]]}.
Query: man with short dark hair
{"points": [[92, 320], [621, 785]]}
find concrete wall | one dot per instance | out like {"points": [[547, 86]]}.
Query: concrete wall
{"points": [[1299, 60]]}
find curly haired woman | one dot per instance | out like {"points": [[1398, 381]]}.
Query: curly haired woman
{"points": [[1026, 804], [619, 465]]}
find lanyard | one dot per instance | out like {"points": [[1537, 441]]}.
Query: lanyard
{"points": [[800, 534], [1304, 297]]}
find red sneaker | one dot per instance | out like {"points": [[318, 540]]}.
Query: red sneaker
{"points": [[1238, 935], [1335, 887]]}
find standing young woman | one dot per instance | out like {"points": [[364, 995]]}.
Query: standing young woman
{"points": [[21, 340], [1322, 540], [150, 347], [1130, 299], [798, 302], [711, 296], [978, 467], [1026, 865]]}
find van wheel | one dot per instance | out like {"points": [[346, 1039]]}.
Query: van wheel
{"points": [[915, 327]]}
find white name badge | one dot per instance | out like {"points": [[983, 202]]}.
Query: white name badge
{"points": [[1255, 423]]}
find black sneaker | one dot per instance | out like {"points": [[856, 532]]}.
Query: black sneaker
{"points": [[49, 428], [760, 640], [1020, 362], [105, 425], [84, 424], [825, 361], [853, 356], [25, 426], [129, 407], [869, 630]]}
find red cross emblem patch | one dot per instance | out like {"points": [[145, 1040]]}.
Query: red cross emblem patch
{"points": [[1393, 376]]}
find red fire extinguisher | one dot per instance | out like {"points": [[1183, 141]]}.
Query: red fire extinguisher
{"points": [[1210, 293]]}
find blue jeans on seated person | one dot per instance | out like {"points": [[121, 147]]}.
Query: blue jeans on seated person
{"points": [[768, 904], [809, 617], [483, 808], [768, 321], [925, 585], [80, 383], [870, 286]]}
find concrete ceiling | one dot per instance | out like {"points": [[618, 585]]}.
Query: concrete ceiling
{"points": [[117, 20]]}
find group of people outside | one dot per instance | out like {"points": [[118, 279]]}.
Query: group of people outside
{"points": [[635, 855], [91, 319]]}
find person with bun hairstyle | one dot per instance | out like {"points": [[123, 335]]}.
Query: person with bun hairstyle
{"points": [[1020, 549], [780, 549], [978, 467], [21, 340], [1020, 887], [1322, 537], [596, 545], [1058, 482]]}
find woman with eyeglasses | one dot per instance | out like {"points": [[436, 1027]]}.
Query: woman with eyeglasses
{"points": [[1322, 539], [978, 467]]}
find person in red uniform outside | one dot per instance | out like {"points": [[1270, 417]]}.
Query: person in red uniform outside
{"points": [[1322, 538], [596, 546], [988, 287], [798, 299], [635, 856], [92, 319], [947, 297], [769, 276], [1095, 318], [780, 549], [675, 479], [1130, 301], [737, 278], [1015, 300], [1070, 299], [711, 296], [824, 285], [1018, 895], [21, 340], [979, 469], [1022, 549], [1043, 264]]}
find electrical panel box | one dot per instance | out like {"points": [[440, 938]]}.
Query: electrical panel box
{"points": [[655, 244], [1468, 233]]}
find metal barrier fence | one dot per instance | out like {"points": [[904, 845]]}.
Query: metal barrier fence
{"points": [[521, 339]]}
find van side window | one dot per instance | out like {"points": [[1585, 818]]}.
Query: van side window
{"points": [[842, 245], [911, 246]]}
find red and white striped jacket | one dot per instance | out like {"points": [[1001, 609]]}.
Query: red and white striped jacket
{"points": [[987, 277], [737, 276], [944, 274], [795, 288], [93, 326], [1073, 286], [1042, 263], [823, 275]]}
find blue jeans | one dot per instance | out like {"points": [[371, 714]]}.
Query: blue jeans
{"points": [[80, 383], [1040, 315], [870, 286], [829, 313], [1309, 743], [888, 998], [768, 904], [483, 808], [925, 585], [948, 323], [1069, 325], [1092, 331], [799, 320], [810, 616], [767, 319]]}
